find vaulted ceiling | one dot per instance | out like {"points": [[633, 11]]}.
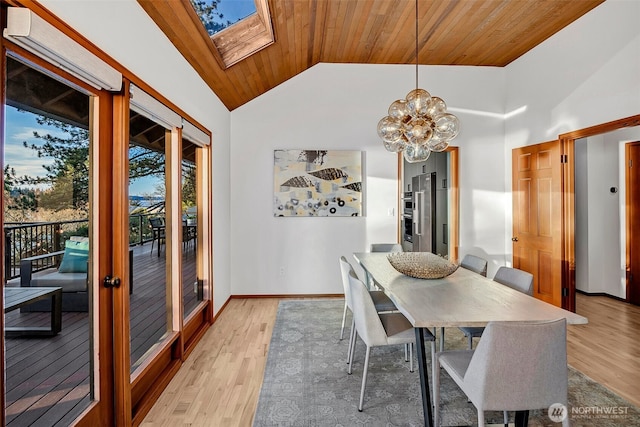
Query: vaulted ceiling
{"points": [[451, 32]]}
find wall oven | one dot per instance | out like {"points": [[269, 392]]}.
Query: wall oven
{"points": [[407, 203], [407, 216]]}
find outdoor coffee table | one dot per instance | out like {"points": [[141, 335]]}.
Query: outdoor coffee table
{"points": [[15, 298]]}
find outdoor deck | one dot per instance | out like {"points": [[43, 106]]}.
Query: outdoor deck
{"points": [[47, 379]]}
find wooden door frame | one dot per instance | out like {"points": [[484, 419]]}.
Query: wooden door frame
{"points": [[120, 221], [629, 202], [454, 200], [3, 77], [567, 147]]}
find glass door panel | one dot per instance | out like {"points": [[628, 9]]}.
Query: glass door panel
{"points": [[191, 287], [149, 300], [48, 254]]}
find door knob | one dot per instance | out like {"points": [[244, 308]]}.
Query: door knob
{"points": [[111, 282], [514, 239]]}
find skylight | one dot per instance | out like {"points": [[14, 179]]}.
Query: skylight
{"points": [[237, 28], [216, 15]]}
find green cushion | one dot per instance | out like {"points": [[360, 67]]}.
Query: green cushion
{"points": [[76, 255]]}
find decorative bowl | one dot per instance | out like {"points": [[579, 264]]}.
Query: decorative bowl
{"points": [[421, 265]]}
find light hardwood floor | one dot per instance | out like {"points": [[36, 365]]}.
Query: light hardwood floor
{"points": [[607, 349], [220, 383]]}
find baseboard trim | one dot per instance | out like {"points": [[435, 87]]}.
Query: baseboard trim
{"points": [[219, 312], [601, 294], [289, 296]]}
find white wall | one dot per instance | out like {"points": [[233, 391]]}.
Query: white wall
{"points": [[337, 106], [598, 256], [582, 217], [584, 75], [138, 45], [600, 214]]}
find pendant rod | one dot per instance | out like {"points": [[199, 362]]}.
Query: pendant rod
{"points": [[416, 44]]}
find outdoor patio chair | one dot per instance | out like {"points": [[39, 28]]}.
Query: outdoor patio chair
{"points": [[158, 229]]}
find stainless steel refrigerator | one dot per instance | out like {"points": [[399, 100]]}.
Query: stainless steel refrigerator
{"points": [[424, 212]]}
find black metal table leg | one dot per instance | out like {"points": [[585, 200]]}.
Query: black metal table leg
{"points": [[522, 418], [56, 312], [424, 378]]}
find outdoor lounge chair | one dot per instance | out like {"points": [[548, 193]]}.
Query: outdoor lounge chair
{"points": [[72, 279]]}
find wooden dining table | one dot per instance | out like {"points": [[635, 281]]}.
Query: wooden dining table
{"points": [[463, 298]]}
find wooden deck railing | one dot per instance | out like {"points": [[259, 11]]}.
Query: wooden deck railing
{"points": [[24, 240]]}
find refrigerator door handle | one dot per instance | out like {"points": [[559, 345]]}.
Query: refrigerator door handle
{"points": [[419, 197]]}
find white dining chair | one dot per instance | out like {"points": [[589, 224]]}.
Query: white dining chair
{"points": [[386, 247], [378, 329], [475, 264], [381, 302], [514, 278], [517, 366], [382, 247], [471, 263]]}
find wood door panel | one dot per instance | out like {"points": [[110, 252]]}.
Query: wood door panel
{"points": [[544, 160], [633, 223], [523, 221], [545, 275], [537, 216], [545, 202], [524, 162], [527, 259]]}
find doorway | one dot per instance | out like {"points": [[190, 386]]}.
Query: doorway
{"points": [[443, 168], [618, 131], [599, 220]]}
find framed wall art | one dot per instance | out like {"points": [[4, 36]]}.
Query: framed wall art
{"points": [[317, 183]]}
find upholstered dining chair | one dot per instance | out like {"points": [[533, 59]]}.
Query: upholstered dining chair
{"points": [[382, 247], [475, 264], [378, 329], [515, 279], [471, 263], [501, 376], [386, 247], [381, 301], [519, 280]]}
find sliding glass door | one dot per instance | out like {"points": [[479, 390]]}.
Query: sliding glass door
{"points": [[52, 293], [150, 300], [107, 244]]}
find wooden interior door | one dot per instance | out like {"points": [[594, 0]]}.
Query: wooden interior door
{"points": [[537, 217], [633, 221]]}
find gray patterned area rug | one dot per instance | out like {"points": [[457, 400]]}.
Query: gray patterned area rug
{"points": [[306, 381]]}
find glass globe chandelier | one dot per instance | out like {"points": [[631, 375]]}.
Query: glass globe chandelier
{"points": [[418, 124]]}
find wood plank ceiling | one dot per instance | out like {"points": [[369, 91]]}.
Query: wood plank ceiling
{"points": [[451, 32]]}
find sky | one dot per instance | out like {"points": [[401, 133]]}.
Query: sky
{"points": [[20, 127], [234, 10]]}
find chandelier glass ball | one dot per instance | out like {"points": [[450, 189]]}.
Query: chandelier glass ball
{"points": [[418, 125]]}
